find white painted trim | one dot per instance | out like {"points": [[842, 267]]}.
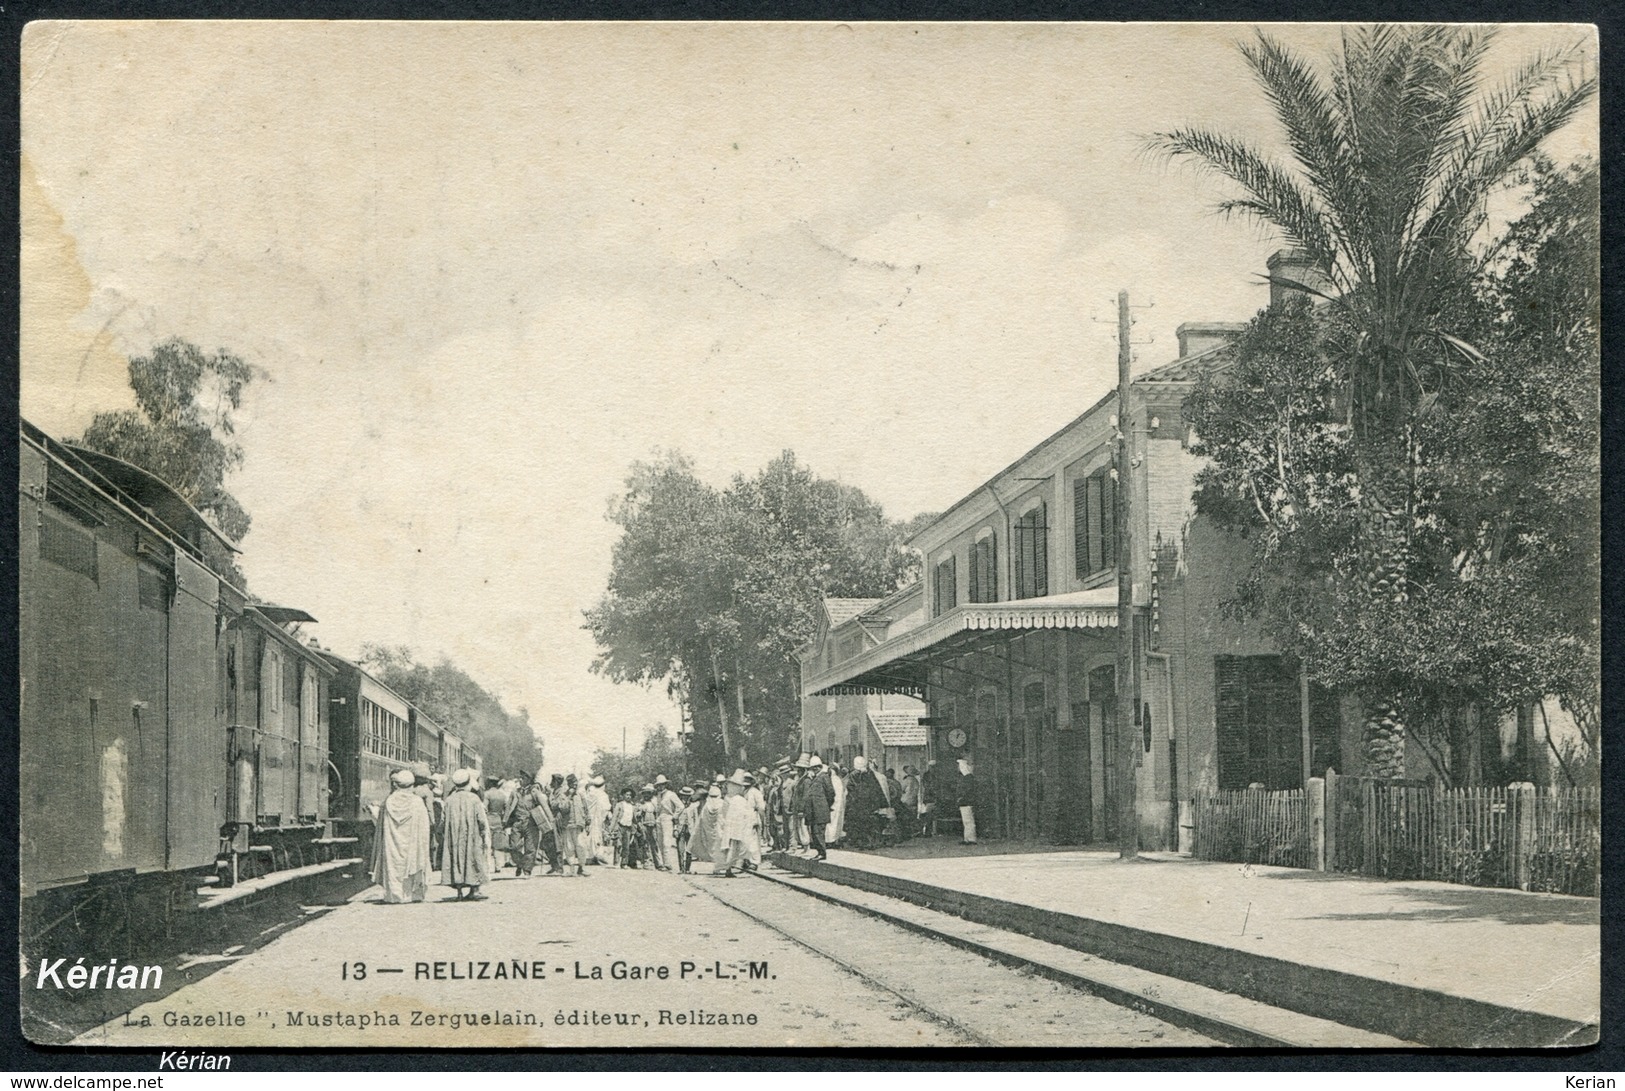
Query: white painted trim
{"points": [[983, 534]]}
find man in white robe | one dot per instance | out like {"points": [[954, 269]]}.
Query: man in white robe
{"points": [[598, 808], [400, 847], [738, 821]]}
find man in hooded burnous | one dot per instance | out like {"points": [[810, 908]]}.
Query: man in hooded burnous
{"points": [[866, 797], [400, 847], [599, 827], [708, 843], [738, 822], [467, 839]]}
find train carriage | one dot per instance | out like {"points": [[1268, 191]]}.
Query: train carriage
{"points": [[371, 728], [122, 752], [177, 739], [277, 735]]}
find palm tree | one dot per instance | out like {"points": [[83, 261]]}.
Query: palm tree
{"points": [[1394, 153]]}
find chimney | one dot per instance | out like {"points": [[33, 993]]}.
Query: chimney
{"points": [[1294, 265], [1195, 337]]}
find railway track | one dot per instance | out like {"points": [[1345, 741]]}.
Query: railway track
{"points": [[985, 1001], [1188, 1013]]}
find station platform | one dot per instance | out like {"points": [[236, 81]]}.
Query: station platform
{"points": [[1427, 962]]}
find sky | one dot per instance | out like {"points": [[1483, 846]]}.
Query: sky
{"points": [[486, 267]]}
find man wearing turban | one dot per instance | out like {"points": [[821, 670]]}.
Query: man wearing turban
{"points": [[400, 847], [467, 843]]}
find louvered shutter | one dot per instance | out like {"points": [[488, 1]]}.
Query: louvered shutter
{"points": [[1080, 527], [990, 579], [1108, 519], [1040, 534], [976, 573], [1230, 720]]}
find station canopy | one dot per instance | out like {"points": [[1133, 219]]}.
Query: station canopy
{"points": [[899, 665]]}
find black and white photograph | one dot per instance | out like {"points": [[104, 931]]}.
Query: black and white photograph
{"points": [[809, 535]]}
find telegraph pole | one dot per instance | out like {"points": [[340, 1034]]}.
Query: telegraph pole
{"points": [[1128, 675]]}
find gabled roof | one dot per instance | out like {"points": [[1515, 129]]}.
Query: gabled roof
{"points": [[1186, 369], [841, 611], [898, 727]]}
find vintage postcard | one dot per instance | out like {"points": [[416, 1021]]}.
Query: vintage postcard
{"points": [[715, 535]]}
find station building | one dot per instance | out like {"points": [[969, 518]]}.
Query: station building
{"points": [[1008, 646]]}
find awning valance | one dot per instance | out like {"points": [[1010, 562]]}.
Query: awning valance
{"points": [[897, 666]]}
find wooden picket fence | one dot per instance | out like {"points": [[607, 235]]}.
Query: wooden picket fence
{"points": [[1532, 839], [1253, 827]]}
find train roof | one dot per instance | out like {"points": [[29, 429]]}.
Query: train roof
{"points": [[140, 494], [152, 493], [263, 616], [342, 663]]}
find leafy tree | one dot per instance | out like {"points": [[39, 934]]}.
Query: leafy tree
{"points": [[1394, 153], [505, 740], [1502, 595], [182, 430], [658, 755], [712, 591]]}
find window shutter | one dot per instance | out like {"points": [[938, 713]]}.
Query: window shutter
{"points": [[992, 582], [1108, 519], [945, 589], [1095, 556], [1080, 527], [1230, 720], [975, 573], [1041, 551], [1276, 724]]}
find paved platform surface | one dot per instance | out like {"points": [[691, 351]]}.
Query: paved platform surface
{"points": [[1533, 952], [623, 959]]}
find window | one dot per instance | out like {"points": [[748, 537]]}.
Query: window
{"points": [[273, 680], [984, 570], [309, 698], [152, 588], [68, 547], [943, 587], [1259, 722], [1032, 554], [386, 732], [1094, 522]]}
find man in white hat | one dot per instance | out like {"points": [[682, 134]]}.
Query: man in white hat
{"points": [[400, 847], [817, 800], [467, 841], [668, 805], [795, 793], [738, 822]]}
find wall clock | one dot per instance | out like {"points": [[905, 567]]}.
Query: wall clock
{"points": [[956, 737]]}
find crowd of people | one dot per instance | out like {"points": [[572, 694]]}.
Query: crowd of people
{"points": [[470, 827]]}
